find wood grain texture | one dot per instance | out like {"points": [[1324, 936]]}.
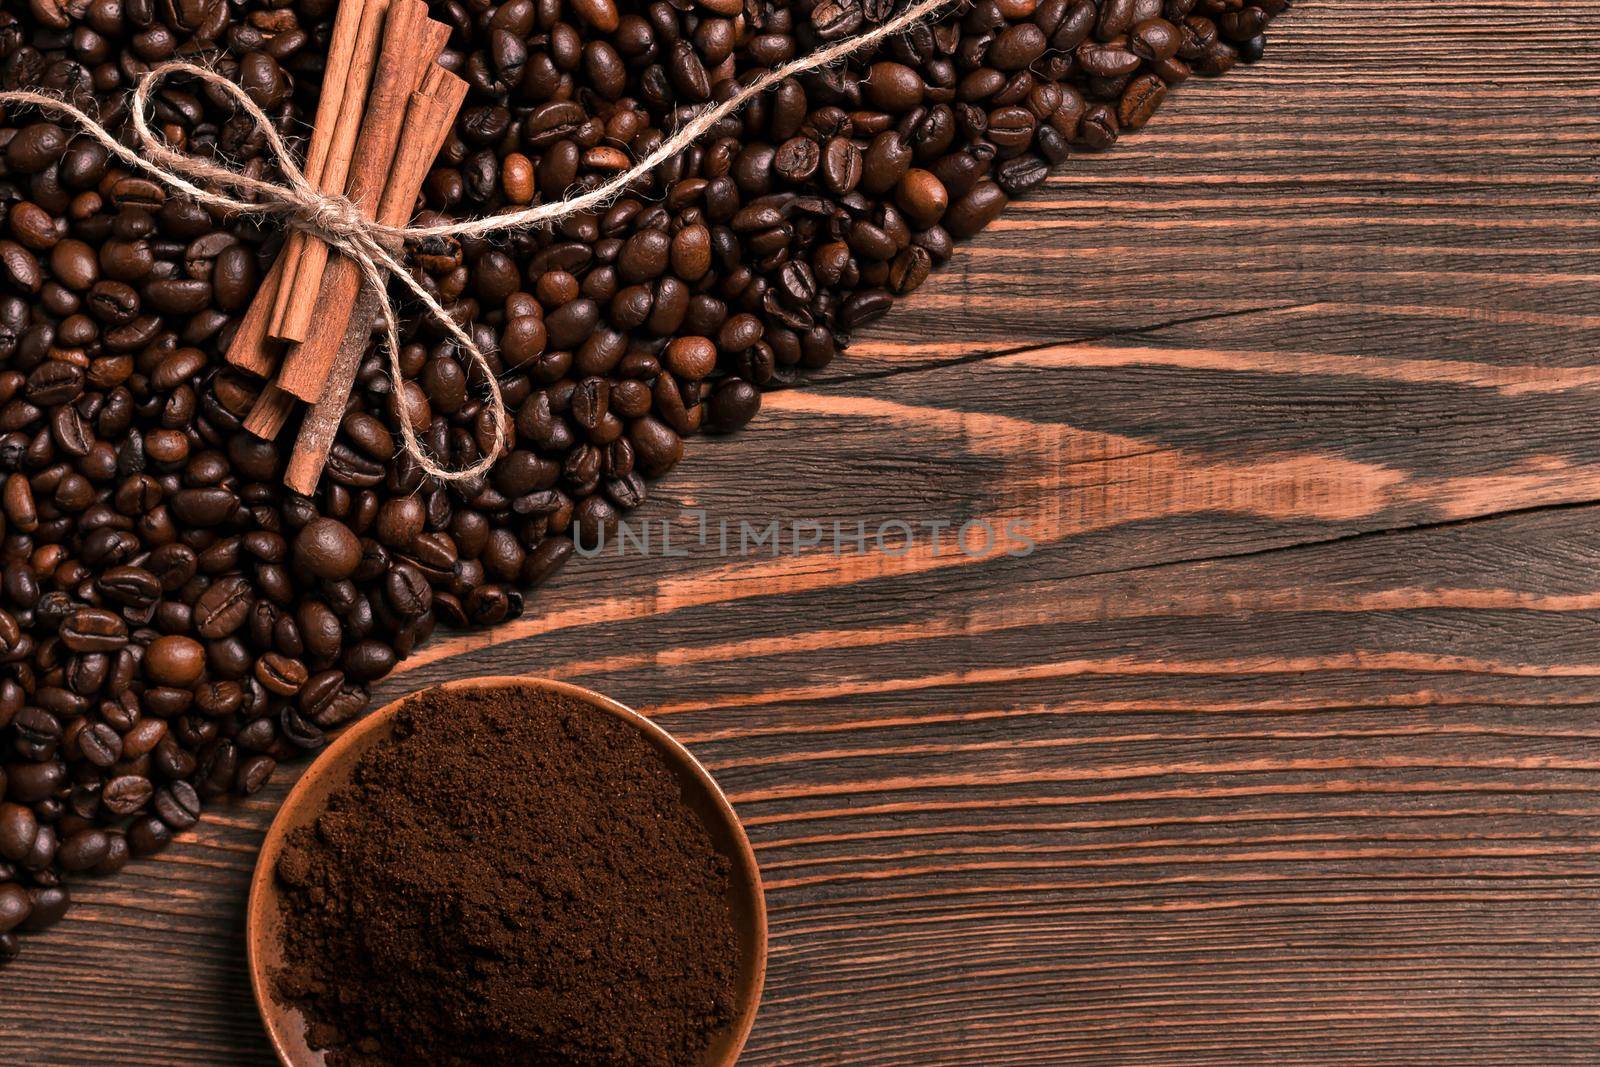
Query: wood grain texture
{"points": [[1280, 748]]}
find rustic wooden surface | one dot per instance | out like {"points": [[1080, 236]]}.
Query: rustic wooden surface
{"points": [[1282, 746]]}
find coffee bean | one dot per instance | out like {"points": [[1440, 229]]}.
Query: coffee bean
{"points": [[15, 905], [922, 197], [127, 794], [84, 850], [1017, 176], [222, 608], [116, 856], [203, 507], [572, 323], [86, 675], [36, 147], [657, 447], [113, 303], [407, 591], [33, 226], [148, 835], [253, 774], [892, 86], [100, 744], [911, 267], [20, 267], [175, 660], [797, 159], [93, 630], [280, 674], [644, 256], [1140, 100], [981, 206], [234, 278], [1154, 40], [18, 830], [49, 904], [368, 660], [326, 548], [74, 264], [733, 404], [1018, 46], [691, 357], [177, 805], [690, 254]]}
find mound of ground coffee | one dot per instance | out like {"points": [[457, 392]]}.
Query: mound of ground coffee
{"points": [[513, 879]]}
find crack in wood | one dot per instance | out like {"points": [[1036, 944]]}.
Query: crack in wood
{"points": [[820, 381]]}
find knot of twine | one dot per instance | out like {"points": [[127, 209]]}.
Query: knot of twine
{"points": [[375, 248]]}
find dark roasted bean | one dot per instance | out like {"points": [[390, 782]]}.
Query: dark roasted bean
{"points": [[93, 630], [280, 674], [222, 608], [15, 906], [84, 850], [174, 660], [18, 830], [326, 548], [126, 795]]}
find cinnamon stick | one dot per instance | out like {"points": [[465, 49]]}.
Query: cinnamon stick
{"points": [[433, 112], [322, 421], [336, 88], [338, 124], [348, 71], [429, 117], [248, 349], [411, 44], [270, 411]]}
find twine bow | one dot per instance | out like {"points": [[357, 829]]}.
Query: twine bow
{"points": [[376, 248]]}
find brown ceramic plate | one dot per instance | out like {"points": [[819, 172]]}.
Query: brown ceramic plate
{"points": [[309, 797]]}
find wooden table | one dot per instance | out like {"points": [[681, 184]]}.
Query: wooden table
{"points": [[1282, 745]]}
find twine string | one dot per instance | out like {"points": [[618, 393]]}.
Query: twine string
{"points": [[376, 248]]}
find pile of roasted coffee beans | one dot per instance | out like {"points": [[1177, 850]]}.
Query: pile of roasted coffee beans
{"points": [[173, 622]]}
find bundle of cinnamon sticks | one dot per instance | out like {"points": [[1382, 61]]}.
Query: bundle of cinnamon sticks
{"points": [[386, 109]]}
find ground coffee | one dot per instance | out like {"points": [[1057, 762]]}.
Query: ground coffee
{"points": [[514, 879]]}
